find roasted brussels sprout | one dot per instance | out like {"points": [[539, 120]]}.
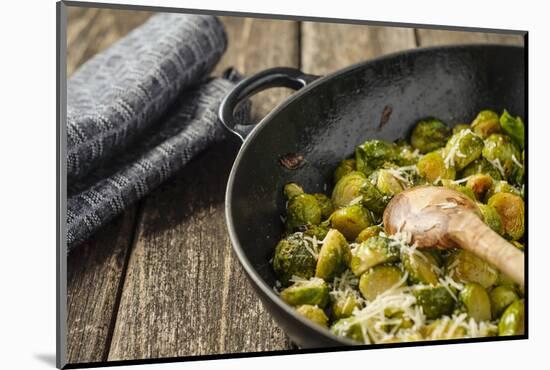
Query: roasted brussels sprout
{"points": [[511, 209], [388, 183], [432, 167], [486, 123], [313, 313], [501, 297], [512, 321], [373, 153], [466, 267], [376, 250], [504, 154], [460, 127], [480, 184], [481, 166], [491, 218], [293, 257], [369, 232], [348, 328], [313, 292], [462, 149], [350, 220], [373, 199], [435, 302], [422, 267], [334, 256], [345, 167], [344, 305], [476, 300], [292, 189], [302, 209], [348, 189], [429, 135], [377, 280], [514, 127], [325, 204]]}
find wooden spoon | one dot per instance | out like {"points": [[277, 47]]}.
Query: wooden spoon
{"points": [[439, 217]]}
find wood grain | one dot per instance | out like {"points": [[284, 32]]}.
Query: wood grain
{"points": [[327, 47], [429, 37], [185, 292]]}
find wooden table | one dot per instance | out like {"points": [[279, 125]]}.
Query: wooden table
{"points": [[161, 280]]}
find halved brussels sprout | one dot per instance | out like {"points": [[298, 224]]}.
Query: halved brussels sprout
{"points": [[369, 232], [293, 257], [483, 166], [377, 280], [348, 188], [422, 267], [429, 135], [325, 204], [302, 209], [491, 218], [313, 292], [512, 321], [466, 267], [435, 302], [373, 153], [350, 220], [345, 167], [313, 313], [514, 127], [344, 305], [462, 149], [348, 328], [511, 209], [504, 154], [486, 123], [502, 296], [432, 167], [388, 183], [374, 251], [476, 300], [292, 189], [480, 185], [334, 256]]}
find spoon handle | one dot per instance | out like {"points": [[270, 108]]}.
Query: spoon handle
{"points": [[472, 234]]}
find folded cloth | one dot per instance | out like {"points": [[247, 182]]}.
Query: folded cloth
{"points": [[164, 149], [124, 89]]}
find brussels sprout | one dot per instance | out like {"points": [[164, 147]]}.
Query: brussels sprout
{"points": [[388, 183], [422, 267], [514, 127], [460, 127], [350, 220], [480, 184], [293, 257], [491, 218], [369, 232], [462, 149], [512, 321], [334, 256], [292, 189], [504, 153], [511, 209], [377, 280], [302, 209], [501, 297], [466, 267], [376, 250], [443, 328], [476, 300], [483, 166], [461, 188], [318, 231], [432, 167], [373, 153], [313, 313], [348, 189], [501, 187], [349, 328], [486, 123], [344, 305], [345, 167], [435, 302], [373, 199], [313, 292], [429, 135], [325, 204]]}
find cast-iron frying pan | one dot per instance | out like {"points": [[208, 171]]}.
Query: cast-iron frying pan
{"points": [[326, 119]]}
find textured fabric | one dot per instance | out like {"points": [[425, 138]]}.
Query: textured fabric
{"points": [[121, 91]]}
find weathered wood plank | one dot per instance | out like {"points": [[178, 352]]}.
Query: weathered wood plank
{"points": [[429, 37], [94, 274], [185, 292], [327, 47]]}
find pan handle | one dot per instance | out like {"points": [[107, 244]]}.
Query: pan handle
{"points": [[274, 77]]}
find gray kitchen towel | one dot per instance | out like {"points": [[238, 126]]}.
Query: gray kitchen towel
{"points": [[124, 89], [138, 112]]}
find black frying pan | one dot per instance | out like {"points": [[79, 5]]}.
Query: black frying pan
{"points": [[326, 119]]}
